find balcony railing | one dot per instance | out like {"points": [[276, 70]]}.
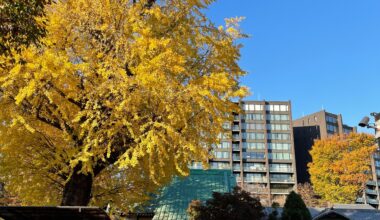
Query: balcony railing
{"points": [[281, 170], [373, 201], [236, 137], [282, 180], [236, 148], [253, 169], [236, 128], [281, 191], [371, 183], [255, 180], [238, 179], [236, 118], [360, 200], [253, 189], [236, 158], [371, 191], [236, 168]]}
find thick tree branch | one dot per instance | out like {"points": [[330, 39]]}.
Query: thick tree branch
{"points": [[71, 100]]}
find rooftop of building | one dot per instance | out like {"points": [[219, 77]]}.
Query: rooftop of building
{"points": [[323, 111], [174, 199]]}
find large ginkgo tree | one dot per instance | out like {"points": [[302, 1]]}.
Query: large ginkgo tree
{"points": [[117, 98]]}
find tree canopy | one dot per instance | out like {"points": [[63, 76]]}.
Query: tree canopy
{"points": [[120, 96], [21, 23], [341, 166], [306, 191], [295, 208], [237, 205]]}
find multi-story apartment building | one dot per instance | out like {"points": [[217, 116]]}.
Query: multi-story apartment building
{"points": [[258, 147], [318, 125]]}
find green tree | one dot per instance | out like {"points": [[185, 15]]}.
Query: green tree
{"points": [[295, 208], [341, 166], [238, 205], [119, 97]]}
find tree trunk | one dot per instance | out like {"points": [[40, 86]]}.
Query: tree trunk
{"points": [[77, 191]]}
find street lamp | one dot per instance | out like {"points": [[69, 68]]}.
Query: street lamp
{"points": [[376, 126], [365, 123]]}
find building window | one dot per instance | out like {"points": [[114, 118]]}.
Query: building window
{"points": [[220, 165], [280, 156], [331, 119], [254, 117], [277, 117], [278, 127], [254, 155], [347, 130], [279, 146], [277, 108], [377, 163], [253, 107], [236, 166], [223, 136], [254, 166], [253, 126], [253, 136], [253, 146], [254, 177], [221, 155], [223, 145], [226, 125], [332, 128], [280, 167], [236, 156], [235, 136], [281, 177], [196, 165], [278, 136]]}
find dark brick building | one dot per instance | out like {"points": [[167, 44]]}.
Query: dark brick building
{"points": [[318, 125]]}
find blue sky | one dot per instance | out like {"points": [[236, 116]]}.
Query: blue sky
{"points": [[316, 53]]}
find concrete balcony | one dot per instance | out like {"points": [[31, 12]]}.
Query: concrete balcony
{"points": [[360, 200], [236, 128], [254, 169], [236, 118], [255, 180], [280, 191], [281, 180], [371, 183], [371, 192], [256, 190], [236, 158], [281, 170], [373, 201], [236, 137]]}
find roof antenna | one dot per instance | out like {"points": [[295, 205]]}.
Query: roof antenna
{"points": [[323, 108]]}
